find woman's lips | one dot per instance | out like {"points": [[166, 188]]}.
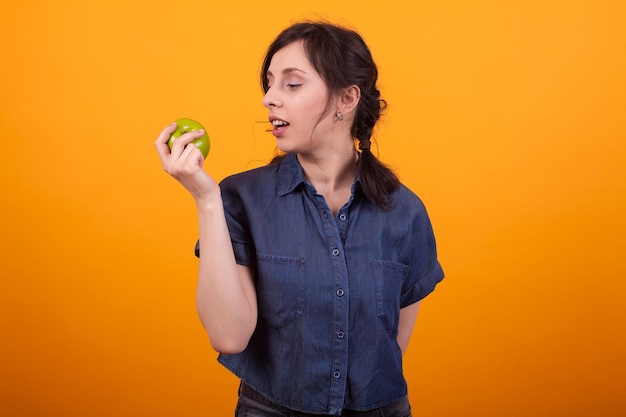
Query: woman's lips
{"points": [[279, 127]]}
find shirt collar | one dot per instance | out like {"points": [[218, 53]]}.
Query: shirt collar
{"points": [[290, 175]]}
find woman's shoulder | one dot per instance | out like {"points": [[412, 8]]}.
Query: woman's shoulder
{"points": [[404, 195], [251, 178], [407, 203]]}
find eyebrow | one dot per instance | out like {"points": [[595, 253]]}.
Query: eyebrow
{"points": [[287, 71]]}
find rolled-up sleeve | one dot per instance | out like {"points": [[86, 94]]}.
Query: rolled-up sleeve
{"points": [[425, 272]]}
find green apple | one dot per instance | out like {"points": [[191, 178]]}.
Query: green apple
{"points": [[184, 125]]}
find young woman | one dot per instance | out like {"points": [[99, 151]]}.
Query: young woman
{"points": [[312, 267]]}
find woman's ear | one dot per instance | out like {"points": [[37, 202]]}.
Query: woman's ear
{"points": [[349, 99]]}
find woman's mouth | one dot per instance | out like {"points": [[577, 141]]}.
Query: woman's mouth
{"points": [[278, 126]]}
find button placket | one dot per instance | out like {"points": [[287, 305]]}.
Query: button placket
{"points": [[334, 229]]}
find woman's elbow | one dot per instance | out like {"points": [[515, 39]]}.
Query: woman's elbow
{"points": [[229, 347], [230, 344]]}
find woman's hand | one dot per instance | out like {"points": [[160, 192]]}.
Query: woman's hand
{"points": [[185, 163]]}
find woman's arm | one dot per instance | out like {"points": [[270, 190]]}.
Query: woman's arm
{"points": [[408, 315], [226, 297]]}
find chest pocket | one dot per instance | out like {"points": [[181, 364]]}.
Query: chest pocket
{"points": [[388, 277], [281, 288]]}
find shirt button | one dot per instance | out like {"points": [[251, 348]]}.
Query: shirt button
{"points": [[336, 252], [324, 214], [340, 292], [336, 374], [340, 334], [343, 217]]}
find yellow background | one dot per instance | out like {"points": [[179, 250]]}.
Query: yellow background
{"points": [[507, 117]]}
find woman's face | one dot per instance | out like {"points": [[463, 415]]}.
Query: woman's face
{"points": [[297, 99]]}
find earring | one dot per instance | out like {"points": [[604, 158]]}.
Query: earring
{"points": [[339, 116]]}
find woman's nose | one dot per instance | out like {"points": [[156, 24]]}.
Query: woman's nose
{"points": [[270, 99]]}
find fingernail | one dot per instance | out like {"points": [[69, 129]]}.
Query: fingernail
{"points": [[201, 131]]}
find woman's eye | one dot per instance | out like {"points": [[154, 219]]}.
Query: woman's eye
{"points": [[293, 85]]}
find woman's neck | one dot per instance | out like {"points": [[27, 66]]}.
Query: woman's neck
{"points": [[332, 175]]}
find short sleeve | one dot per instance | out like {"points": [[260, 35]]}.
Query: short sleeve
{"points": [[424, 272], [238, 224]]}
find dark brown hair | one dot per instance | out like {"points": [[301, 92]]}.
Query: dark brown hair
{"points": [[342, 59]]}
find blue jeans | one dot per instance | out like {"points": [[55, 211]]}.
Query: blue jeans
{"points": [[253, 404]]}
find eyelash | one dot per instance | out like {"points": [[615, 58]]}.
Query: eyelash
{"points": [[288, 85]]}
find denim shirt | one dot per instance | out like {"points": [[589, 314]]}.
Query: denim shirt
{"points": [[329, 289]]}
